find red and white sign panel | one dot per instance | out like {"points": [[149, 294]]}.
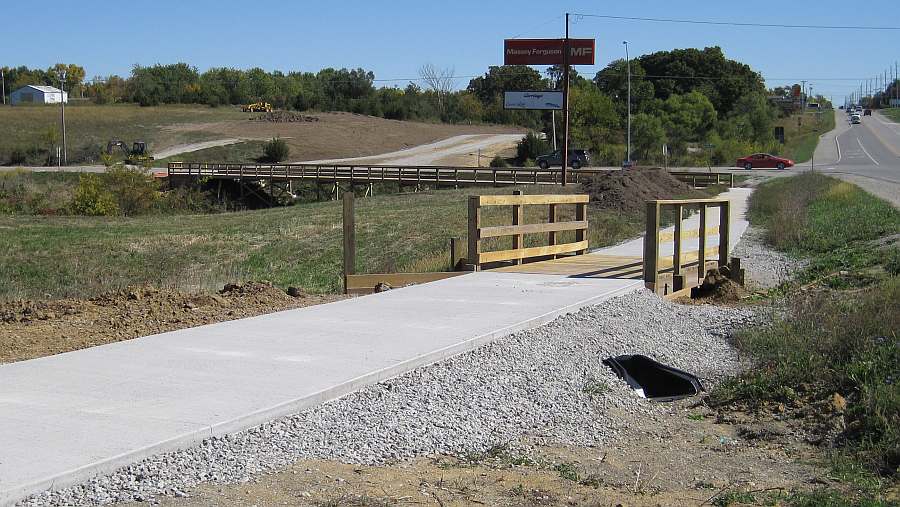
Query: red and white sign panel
{"points": [[547, 51]]}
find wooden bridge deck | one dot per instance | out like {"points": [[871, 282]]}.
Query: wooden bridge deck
{"points": [[594, 265]]}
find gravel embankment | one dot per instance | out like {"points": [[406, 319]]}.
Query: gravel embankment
{"points": [[528, 384], [766, 268]]}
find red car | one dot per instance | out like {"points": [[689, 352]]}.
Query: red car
{"points": [[764, 160]]}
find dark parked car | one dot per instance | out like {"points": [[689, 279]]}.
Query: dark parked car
{"points": [[759, 160], [867, 112], [577, 159]]}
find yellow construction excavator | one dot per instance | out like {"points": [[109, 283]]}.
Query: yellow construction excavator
{"points": [[258, 107]]}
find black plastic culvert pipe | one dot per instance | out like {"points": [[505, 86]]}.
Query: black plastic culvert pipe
{"points": [[653, 380]]}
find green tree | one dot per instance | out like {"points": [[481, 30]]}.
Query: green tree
{"points": [[647, 136], [276, 150], [689, 117]]}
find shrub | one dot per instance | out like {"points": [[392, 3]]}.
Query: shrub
{"points": [[17, 157], [92, 198], [499, 161], [276, 150], [530, 147], [134, 190]]}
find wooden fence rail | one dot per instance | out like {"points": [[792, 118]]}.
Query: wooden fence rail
{"points": [[518, 229]]}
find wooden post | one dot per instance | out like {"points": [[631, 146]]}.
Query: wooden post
{"points": [[454, 253], [518, 218], [701, 254], [724, 231], [581, 214], [551, 218], [474, 238], [651, 246], [349, 238], [676, 256]]}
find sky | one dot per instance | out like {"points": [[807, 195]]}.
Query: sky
{"points": [[394, 39]]}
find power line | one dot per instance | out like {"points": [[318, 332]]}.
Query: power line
{"points": [[735, 23]]}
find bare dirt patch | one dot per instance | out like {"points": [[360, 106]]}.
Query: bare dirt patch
{"points": [[626, 190], [689, 457], [37, 328]]}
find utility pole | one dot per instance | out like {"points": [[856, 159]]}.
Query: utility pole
{"points": [[3, 80], [553, 121], [565, 132], [803, 96], [62, 102], [628, 67]]}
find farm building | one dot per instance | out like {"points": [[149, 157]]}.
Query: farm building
{"points": [[34, 94]]}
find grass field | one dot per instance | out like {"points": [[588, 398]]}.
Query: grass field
{"points": [[892, 113], [800, 141], [90, 127], [247, 152], [298, 245], [839, 334]]}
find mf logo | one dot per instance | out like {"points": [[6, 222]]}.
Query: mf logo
{"points": [[582, 51]]}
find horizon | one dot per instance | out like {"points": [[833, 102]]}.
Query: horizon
{"points": [[192, 34]]}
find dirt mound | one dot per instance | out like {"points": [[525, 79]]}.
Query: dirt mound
{"points": [[626, 190], [717, 289], [284, 117], [30, 329]]}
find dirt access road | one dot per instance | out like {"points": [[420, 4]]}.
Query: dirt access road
{"points": [[461, 150]]}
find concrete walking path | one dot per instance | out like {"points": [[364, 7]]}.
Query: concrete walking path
{"points": [[72, 416]]}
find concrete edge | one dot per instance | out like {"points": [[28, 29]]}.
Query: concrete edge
{"points": [[10, 497]]}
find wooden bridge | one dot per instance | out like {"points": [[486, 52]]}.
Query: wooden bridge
{"points": [[670, 262], [281, 176]]}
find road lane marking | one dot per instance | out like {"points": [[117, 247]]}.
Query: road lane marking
{"points": [[866, 152], [838, 145]]}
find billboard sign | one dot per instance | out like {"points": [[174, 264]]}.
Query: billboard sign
{"points": [[547, 51], [533, 100]]}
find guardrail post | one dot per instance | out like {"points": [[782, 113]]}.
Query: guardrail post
{"points": [[349, 238], [495, 177], [701, 254], [454, 253], [651, 246], [724, 231], [474, 240]]}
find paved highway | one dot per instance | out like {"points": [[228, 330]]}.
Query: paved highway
{"points": [[869, 156]]}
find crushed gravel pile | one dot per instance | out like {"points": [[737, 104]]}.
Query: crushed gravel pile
{"points": [[628, 190], [547, 384], [765, 267]]}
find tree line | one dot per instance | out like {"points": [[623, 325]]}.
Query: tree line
{"points": [[680, 97]]}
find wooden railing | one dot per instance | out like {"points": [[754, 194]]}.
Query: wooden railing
{"points": [[704, 179], [431, 175], [518, 228], [683, 269]]}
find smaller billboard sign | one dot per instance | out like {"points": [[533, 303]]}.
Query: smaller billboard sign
{"points": [[533, 100], [547, 51]]}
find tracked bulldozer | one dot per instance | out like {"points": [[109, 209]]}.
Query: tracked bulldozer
{"points": [[137, 154]]}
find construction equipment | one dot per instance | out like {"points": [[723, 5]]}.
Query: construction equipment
{"points": [[258, 107], [138, 154]]}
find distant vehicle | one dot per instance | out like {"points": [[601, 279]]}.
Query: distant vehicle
{"points": [[855, 119], [764, 160], [577, 159], [867, 112], [813, 105]]}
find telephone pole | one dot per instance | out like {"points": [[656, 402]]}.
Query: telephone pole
{"points": [[3, 80], [628, 66], [565, 129]]}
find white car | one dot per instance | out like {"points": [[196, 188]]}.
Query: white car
{"points": [[855, 119]]}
